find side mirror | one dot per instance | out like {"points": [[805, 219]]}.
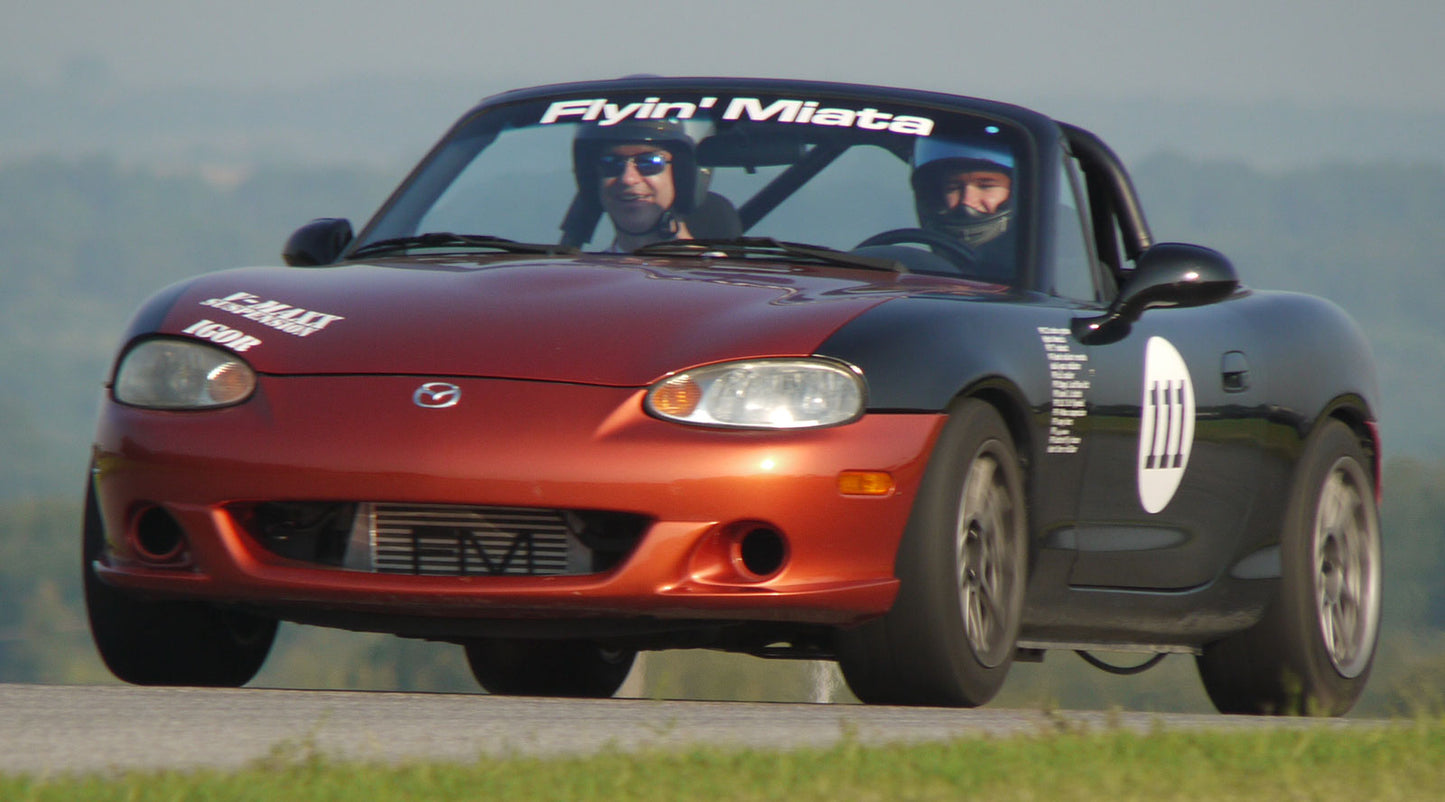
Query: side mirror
{"points": [[1168, 274], [319, 242]]}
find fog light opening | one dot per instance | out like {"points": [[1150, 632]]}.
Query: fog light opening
{"points": [[158, 538], [761, 552]]}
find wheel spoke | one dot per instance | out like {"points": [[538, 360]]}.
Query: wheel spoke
{"points": [[1347, 630], [989, 612], [978, 486], [1327, 630], [978, 619]]}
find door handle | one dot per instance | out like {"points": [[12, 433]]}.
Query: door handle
{"points": [[1234, 372]]}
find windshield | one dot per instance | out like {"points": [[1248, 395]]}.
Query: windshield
{"points": [[633, 169]]}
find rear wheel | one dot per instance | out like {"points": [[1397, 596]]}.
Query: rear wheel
{"points": [[147, 642], [949, 639], [517, 667], [1312, 652]]}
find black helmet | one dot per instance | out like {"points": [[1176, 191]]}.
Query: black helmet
{"points": [[689, 182], [934, 158]]}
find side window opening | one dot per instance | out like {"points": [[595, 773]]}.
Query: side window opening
{"points": [[1108, 241], [1076, 274]]}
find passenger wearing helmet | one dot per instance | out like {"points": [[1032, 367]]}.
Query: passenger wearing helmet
{"points": [[644, 174], [965, 190]]}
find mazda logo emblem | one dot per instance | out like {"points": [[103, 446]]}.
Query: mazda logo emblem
{"points": [[437, 395]]}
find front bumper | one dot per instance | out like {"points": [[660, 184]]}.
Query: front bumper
{"points": [[513, 444]]}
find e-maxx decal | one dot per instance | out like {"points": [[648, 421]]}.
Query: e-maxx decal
{"points": [[807, 112], [1166, 433], [283, 317], [234, 339], [1066, 389]]}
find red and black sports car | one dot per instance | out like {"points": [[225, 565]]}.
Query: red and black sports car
{"points": [[797, 369]]}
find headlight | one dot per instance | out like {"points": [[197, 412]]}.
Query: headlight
{"points": [[762, 394], [181, 374]]}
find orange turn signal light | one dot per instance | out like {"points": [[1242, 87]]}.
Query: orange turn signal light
{"points": [[677, 397], [865, 483]]}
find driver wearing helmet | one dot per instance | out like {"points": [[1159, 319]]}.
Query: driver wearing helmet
{"points": [[965, 190], [644, 174]]}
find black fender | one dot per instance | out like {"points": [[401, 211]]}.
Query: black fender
{"points": [[920, 353]]}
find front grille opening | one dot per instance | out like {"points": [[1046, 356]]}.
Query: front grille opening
{"points": [[306, 531], [445, 540]]}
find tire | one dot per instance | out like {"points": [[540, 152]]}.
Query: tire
{"points": [[514, 667], [1312, 652], [950, 636], [168, 642]]}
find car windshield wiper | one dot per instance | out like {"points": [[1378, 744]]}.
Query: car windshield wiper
{"points": [[446, 239], [766, 247]]}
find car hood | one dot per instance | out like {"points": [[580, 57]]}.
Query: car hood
{"points": [[619, 321]]}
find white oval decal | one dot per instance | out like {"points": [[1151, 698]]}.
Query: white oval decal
{"points": [[1166, 432]]}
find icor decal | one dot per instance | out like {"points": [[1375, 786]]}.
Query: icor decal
{"points": [[1166, 433]]}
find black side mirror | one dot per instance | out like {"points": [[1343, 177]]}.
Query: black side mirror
{"points": [[319, 242], [1168, 274]]}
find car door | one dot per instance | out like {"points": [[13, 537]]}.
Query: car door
{"points": [[1173, 462], [1171, 427]]}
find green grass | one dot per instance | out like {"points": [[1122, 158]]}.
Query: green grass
{"points": [[1403, 761]]}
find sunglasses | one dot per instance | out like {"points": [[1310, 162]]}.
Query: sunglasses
{"points": [[612, 165]]}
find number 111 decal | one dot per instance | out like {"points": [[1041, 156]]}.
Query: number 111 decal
{"points": [[1166, 432]]}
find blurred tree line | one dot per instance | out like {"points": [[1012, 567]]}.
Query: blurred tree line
{"points": [[82, 243]]}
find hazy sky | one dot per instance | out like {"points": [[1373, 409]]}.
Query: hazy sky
{"points": [[1381, 53]]}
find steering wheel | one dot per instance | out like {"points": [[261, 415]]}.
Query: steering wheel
{"points": [[961, 256]]}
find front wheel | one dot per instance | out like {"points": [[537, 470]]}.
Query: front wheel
{"points": [[517, 667], [962, 564], [1312, 652], [146, 642]]}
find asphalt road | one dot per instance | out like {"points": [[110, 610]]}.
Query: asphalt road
{"points": [[45, 729]]}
